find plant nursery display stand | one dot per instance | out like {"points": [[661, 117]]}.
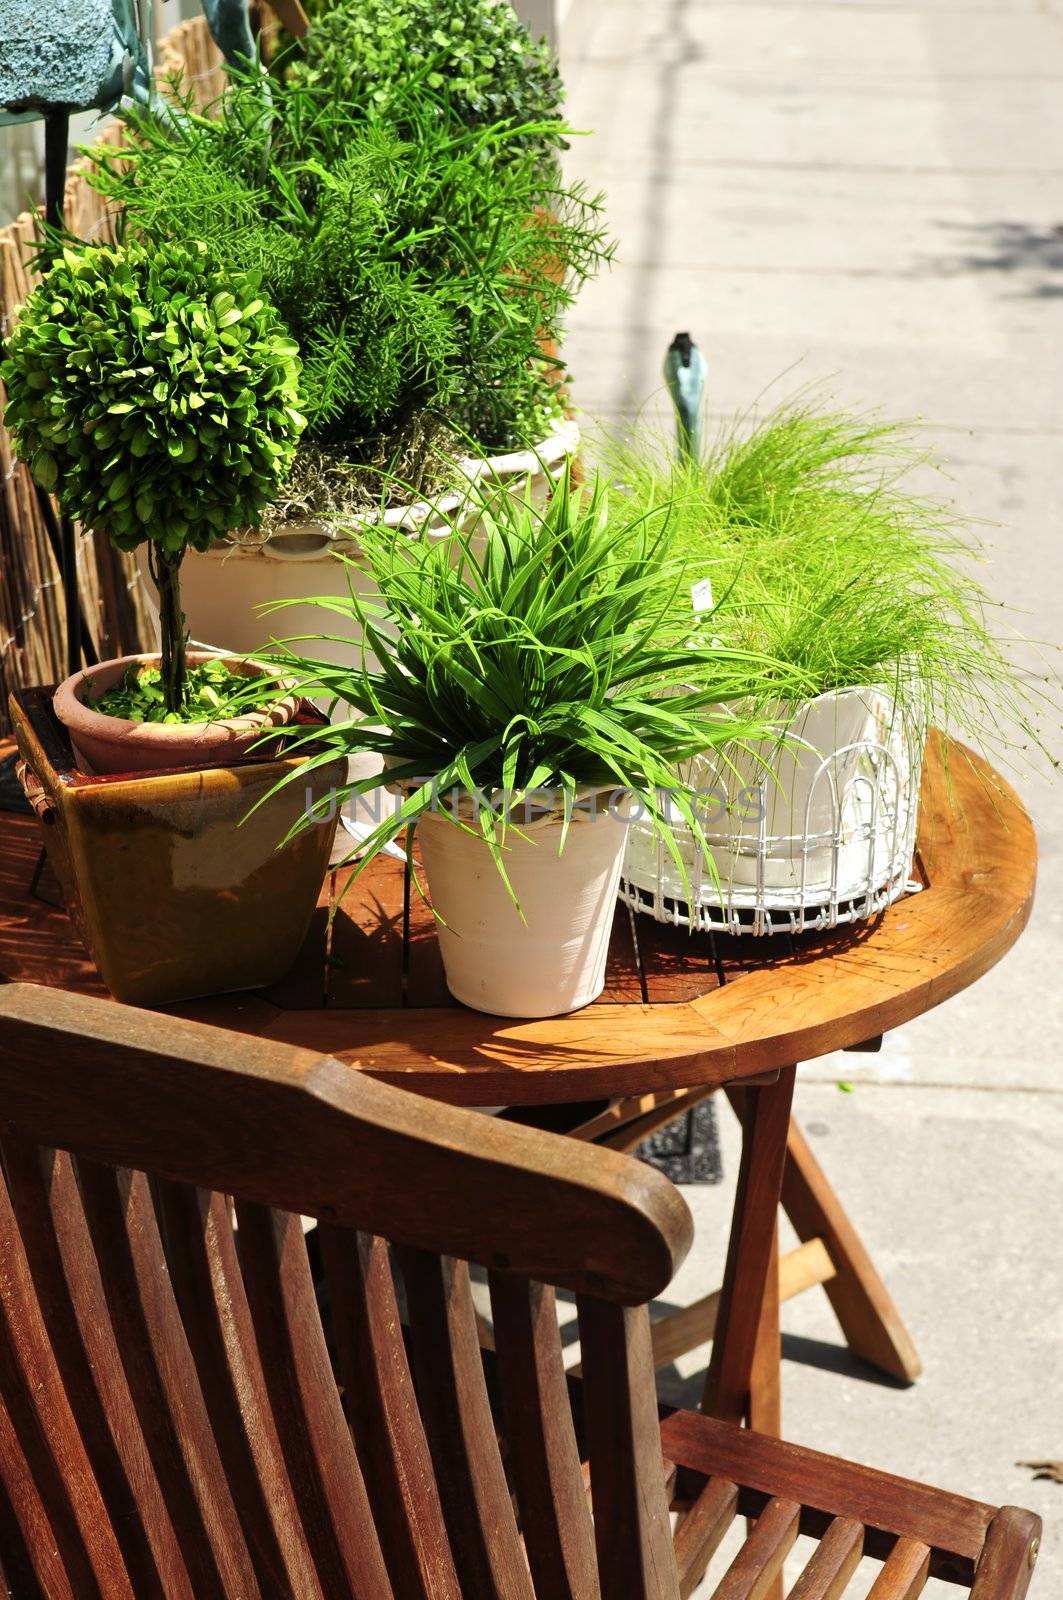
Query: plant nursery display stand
{"points": [[682, 1015]]}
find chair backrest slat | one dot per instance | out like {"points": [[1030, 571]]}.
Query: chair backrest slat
{"points": [[631, 1522], [34, 1565], [319, 1451], [47, 1206], [454, 1402], [382, 1409], [543, 1456], [41, 1447], [163, 1379], [205, 1269]]}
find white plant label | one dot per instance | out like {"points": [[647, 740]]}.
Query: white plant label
{"points": [[701, 595]]}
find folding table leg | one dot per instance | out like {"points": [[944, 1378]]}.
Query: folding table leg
{"points": [[869, 1319], [751, 1250], [765, 1380], [743, 1380]]}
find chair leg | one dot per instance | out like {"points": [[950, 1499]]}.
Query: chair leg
{"points": [[869, 1319], [751, 1247]]}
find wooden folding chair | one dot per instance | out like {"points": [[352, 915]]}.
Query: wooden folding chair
{"points": [[170, 1422]]}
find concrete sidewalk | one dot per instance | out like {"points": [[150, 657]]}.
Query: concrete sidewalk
{"points": [[872, 194]]}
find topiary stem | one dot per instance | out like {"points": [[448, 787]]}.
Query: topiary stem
{"points": [[165, 569]]}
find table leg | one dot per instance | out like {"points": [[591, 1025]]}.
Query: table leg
{"points": [[765, 1380], [869, 1319], [751, 1253]]}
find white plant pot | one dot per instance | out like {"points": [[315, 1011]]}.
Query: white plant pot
{"points": [[554, 961], [225, 588], [826, 816], [808, 827]]}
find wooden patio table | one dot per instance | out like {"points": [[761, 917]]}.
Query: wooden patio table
{"points": [[681, 1016]]}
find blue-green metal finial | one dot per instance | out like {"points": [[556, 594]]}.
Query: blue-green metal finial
{"points": [[684, 373]]}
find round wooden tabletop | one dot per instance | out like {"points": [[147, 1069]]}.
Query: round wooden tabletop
{"points": [[679, 1009]]}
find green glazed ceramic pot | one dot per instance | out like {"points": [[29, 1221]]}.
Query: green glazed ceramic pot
{"points": [[175, 889]]}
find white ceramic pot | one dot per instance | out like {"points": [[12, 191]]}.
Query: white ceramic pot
{"points": [[553, 961], [800, 811], [225, 588], [827, 816]]}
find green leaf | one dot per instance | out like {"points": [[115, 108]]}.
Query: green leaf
{"points": [[45, 470]]}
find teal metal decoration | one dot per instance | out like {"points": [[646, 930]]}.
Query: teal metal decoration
{"points": [[84, 55], [230, 24], [685, 372]]}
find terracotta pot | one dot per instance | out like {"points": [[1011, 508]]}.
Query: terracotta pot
{"points": [[113, 744], [177, 888], [554, 960]]}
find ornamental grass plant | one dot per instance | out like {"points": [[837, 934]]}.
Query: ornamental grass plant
{"points": [[822, 558]]}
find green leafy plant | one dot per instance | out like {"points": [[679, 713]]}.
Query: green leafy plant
{"points": [[475, 56], [212, 692], [821, 558], [542, 655], [156, 394], [418, 272]]}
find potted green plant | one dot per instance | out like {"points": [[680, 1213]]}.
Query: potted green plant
{"points": [[528, 696], [818, 556], [156, 395], [476, 59], [420, 273]]}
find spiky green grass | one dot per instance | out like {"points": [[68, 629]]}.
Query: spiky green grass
{"points": [[545, 652], [821, 557]]}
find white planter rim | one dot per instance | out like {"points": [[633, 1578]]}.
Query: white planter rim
{"points": [[285, 542]]}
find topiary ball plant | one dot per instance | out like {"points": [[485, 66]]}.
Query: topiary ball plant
{"points": [[475, 57], [157, 396]]}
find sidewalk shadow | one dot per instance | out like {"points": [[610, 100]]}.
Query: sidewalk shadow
{"points": [[676, 1390], [1030, 254]]}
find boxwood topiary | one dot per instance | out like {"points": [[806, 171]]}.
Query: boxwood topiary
{"points": [[156, 395], [475, 57]]}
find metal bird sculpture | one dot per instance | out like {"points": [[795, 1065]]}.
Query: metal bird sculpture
{"points": [[684, 373]]}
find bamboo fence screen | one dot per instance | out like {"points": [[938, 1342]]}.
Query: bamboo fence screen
{"points": [[32, 615]]}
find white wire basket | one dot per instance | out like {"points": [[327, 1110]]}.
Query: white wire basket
{"points": [[806, 832]]}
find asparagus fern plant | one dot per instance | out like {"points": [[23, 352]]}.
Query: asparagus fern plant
{"points": [[418, 270]]}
